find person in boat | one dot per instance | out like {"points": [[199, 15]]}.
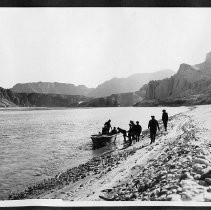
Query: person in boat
{"points": [[114, 131], [104, 130], [165, 119], [153, 126], [107, 126], [124, 132], [138, 131]]}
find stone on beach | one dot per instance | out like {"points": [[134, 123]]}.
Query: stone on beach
{"points": [[207, 197], [208, 180], [206, 174], [186, 196], [201, 161], [174, 197], [197, 176]]}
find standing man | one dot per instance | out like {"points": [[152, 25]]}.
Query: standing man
{"points": [[130, 134], [138, 131], [133, 129], [108, 126], [165, 119], [153, 126]]}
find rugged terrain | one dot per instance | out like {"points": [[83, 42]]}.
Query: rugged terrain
{"points": [[112, 86], [177, 167], [190, 85], [9, 99], [51, 88], [121, 99], [114, 92], [128, 84]]}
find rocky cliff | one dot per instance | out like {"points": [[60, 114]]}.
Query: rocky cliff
{"points": [[9, 98], [189, 84], [114, 100], [51, 88], [113, 86], [129, 84], [205, 66]]}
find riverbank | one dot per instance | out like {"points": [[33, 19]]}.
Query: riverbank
{"points": [[176, 167]]}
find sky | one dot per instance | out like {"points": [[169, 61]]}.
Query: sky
{"points": [[91, 45]]}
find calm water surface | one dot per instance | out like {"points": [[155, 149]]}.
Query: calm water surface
{"points": [[37, 144]]}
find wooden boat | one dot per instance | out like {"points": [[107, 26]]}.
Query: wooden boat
{"points": [[99, 138]]}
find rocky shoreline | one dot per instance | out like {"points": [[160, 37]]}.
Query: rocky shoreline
{"points": [[177, 167], [178, 173], [181, 172], [97, 165]]}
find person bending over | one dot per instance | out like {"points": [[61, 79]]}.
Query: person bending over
{"points": [[124, 132]]}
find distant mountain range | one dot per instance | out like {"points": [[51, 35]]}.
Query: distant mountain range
{"points": [[51, 88], [190, 85], [129, 84], [113, 86], [10, 99]]}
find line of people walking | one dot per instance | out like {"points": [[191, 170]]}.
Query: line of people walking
{"points": [[153, 125], [135, 130]]}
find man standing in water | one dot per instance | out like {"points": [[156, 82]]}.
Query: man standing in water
{"points": [[165, 119], [153, 125]]}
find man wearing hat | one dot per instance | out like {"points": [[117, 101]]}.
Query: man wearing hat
{"points": [[138, 131], [165, 119], [153, 126]]}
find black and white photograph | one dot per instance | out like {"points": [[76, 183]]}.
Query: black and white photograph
{"points": [[105, 105]]}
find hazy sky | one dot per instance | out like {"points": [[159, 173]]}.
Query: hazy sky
{"points": [[91, 45]]}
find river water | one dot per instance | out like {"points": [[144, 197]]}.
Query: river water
{"points": [[38, 143]]}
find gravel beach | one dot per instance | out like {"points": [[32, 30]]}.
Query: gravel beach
{"points": [[177, 167]]}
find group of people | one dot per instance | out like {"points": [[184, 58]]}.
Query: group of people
{"points": [[135, 130]]}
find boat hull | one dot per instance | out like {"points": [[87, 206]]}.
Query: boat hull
{"points": [[99, 139]]}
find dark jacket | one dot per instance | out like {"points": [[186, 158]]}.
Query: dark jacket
{"points": [[124, 132], [108, 124], [114, 131], [138, 128], [165, 116], [153, 125]]}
